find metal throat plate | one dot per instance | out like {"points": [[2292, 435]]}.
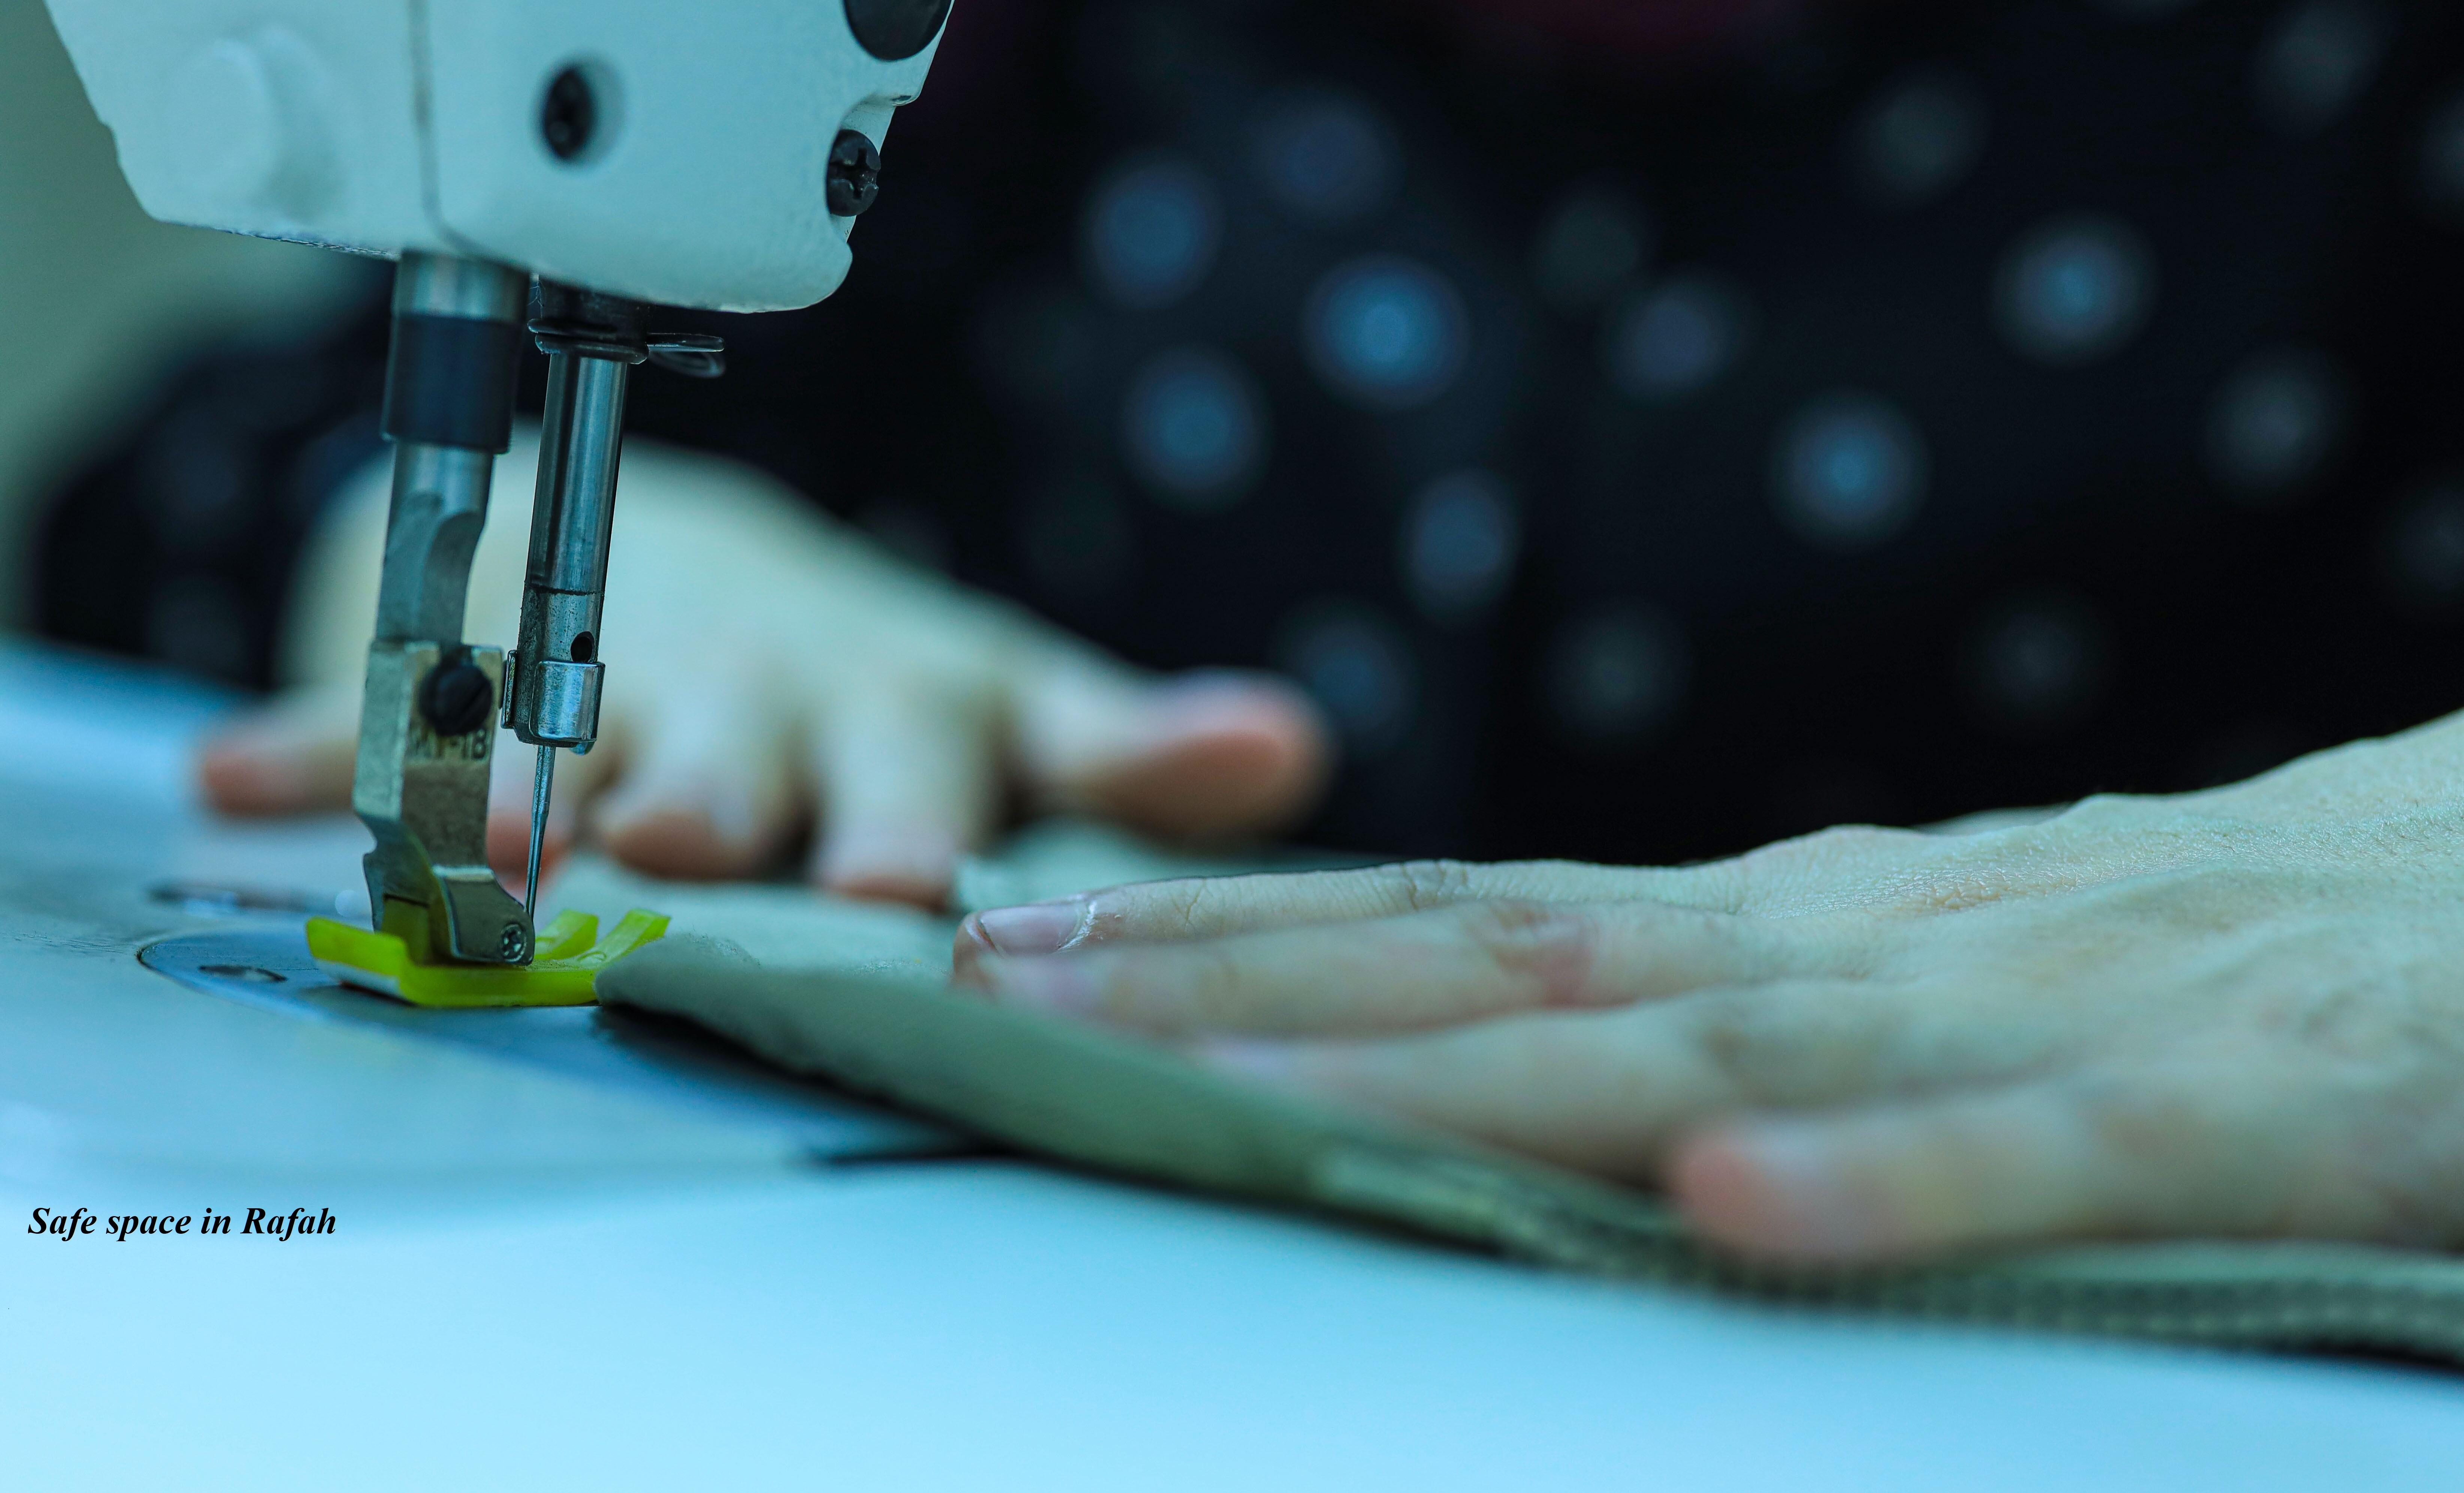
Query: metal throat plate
{"points": [[267, 965]]}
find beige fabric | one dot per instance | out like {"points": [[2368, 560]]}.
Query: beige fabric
{"points": [[891, 1030]]}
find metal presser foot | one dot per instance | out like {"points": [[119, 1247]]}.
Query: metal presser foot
{"points": [[428, 721], [445, 932], [424, 791], [561, 972]]}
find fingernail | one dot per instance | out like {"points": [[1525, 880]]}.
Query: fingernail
{"points": [[1786, 1191], [1063, 986], [247, 772], [250, 762], [1036, 927]]}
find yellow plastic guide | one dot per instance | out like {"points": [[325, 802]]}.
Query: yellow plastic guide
{"points": [[561, 972]]}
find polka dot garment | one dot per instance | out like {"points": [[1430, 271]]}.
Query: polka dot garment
{"points": [[1922, 407]]}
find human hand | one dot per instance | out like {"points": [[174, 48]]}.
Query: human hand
{"points": [[2229, 1013], [765, 665]]}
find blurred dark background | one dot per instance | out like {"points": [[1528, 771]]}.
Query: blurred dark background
{"points": [[1648, 429]]}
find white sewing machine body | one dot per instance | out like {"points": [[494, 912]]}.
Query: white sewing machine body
{"points": [[543, 170], [384, 125]]}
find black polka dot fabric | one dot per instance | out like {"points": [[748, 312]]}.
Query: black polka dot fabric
{"points": [[1935, 408]]}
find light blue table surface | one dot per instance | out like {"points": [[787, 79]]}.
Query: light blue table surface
{"points": [[550, 1276]]}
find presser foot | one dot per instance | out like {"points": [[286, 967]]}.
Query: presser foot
{"points": [[567, 959]]}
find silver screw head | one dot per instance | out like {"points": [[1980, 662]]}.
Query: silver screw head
{"points": [[512, 943]]}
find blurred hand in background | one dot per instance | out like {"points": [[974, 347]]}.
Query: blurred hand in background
{"points": [[769, 669]]}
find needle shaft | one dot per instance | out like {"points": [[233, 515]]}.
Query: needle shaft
{"points": [[542, 777]]}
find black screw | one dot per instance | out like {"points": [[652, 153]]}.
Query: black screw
{"points": [[569, 116], [855, 174], [512, 944], [457, 697]]}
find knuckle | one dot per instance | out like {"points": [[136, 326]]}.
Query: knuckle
{"points": [[2102, 810], [1840, 842], [1549, 951], [1187, 905], [1421, 886], [1858, 838], [1842, 855]]}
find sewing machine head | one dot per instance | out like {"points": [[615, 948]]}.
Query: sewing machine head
{"points": [[711, 155], [676, 154]]}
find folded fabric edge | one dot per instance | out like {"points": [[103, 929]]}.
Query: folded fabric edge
{"points": [[976, 1065]]}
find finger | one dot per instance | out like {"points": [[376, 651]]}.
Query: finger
{"points": [[1607, 1092], [1214, 907], [1210, 752], [707, 790], [292, 756], [2182, 1150], [1400, 974], [1561, 1087], [908, 786]]}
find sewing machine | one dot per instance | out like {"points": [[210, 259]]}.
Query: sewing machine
{"points": [[576, 1249], [550, 169]]}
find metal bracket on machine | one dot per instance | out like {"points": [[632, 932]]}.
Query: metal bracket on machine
{"points": [[421, 786]]}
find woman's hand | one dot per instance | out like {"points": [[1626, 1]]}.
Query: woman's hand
{"points": [[2229, 1013], [764, 667]]}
